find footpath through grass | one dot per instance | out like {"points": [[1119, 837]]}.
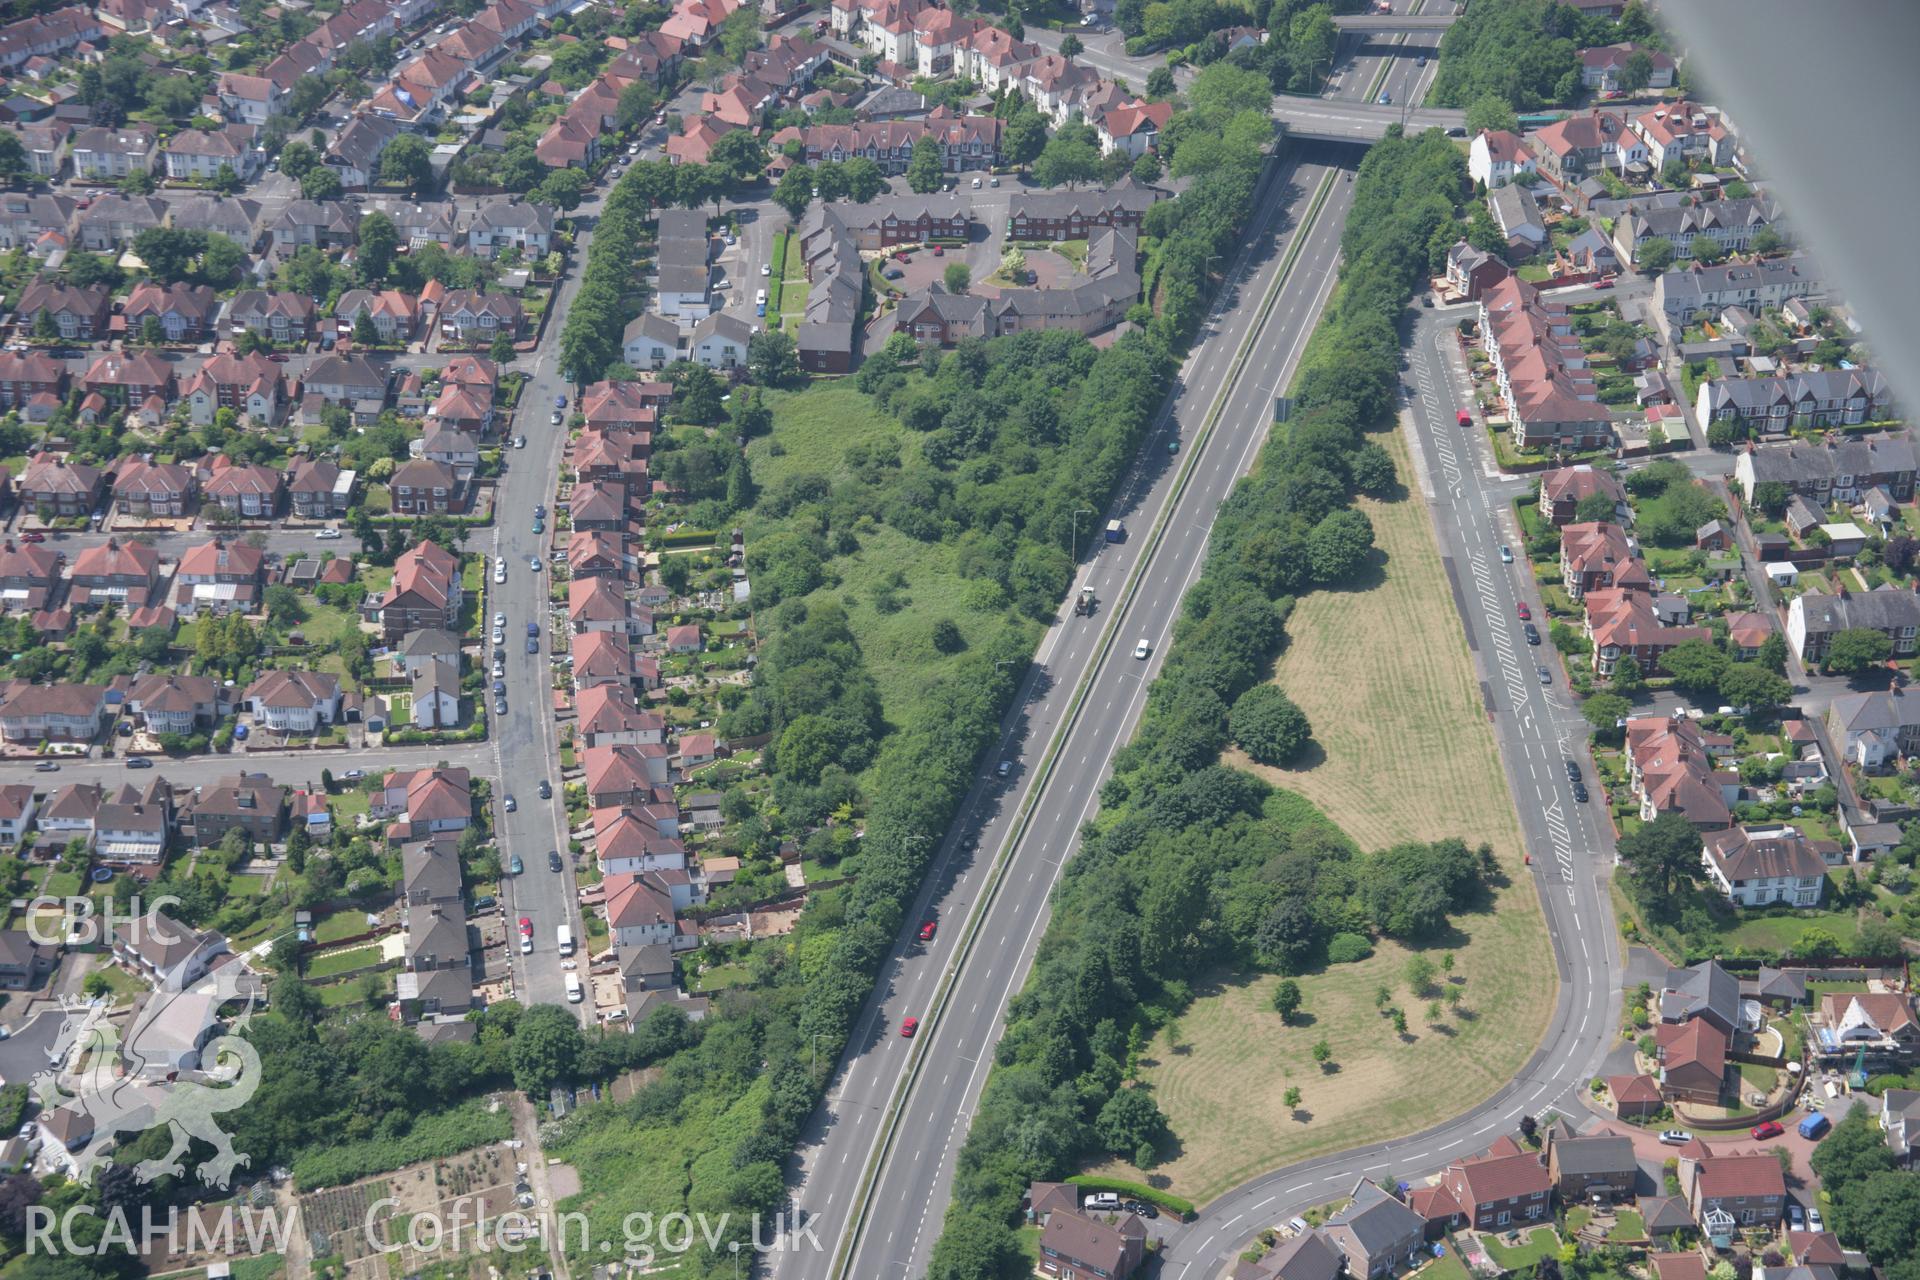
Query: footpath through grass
{"points": [[1404, 752]]}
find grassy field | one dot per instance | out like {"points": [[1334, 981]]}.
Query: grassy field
{"points": [[814, 429], [1408, 755]]}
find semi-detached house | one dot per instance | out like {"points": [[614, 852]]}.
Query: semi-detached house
{"points": [[32, 713], [1814, 619], [1830, 471]]}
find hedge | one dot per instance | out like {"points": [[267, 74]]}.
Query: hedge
{"points": [[1138, 1190]]}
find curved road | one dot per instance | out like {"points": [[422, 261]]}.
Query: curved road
{"points": [[1570, 843]]}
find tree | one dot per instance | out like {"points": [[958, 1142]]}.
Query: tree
{"points": [[1340, 545], [1881, 1215], [794, 190], [407, 161], [1024, 136], [1322, 1052], [1654, 255], [169, 252], [1160, 83], [1268, 725], [500, 350], [1772, 496], [972, 1246], [379, 241], [864, 179], [322, 183], [1070, 45], [564, 188], [151, 332], [365, 332], [296, 158], [1773, 653], [1066, 160], [956, 277], [636, 103], [1419, 974], [773, 360], [1662, 855], [923, 171], [1627, 676], [226, 182], [547, 1045], [1855, 649], [1750, 685], [1766, 242], [1130, 1119], [1695, 665], [1706, 250], [1637, 74], [221, 262], [1855, 1151], [45, 328], [1286, 999], [1492, 112]]}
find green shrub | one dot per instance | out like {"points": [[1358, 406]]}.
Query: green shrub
{"points": [[1346, 948]]}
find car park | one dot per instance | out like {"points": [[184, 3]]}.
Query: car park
{"points": [[908, 1026]]}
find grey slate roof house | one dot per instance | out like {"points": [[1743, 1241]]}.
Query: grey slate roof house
{"points": [[1813, 620], [1376, 1232], [1703, 991]]}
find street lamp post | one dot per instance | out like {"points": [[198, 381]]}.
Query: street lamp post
{"points": [[1073, 547]]}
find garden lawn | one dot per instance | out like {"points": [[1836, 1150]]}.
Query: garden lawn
{"points": [[343, 961], [1407, 756], [1447, 1268], [1543, 1242], [340, 926], [1628, 1225]]}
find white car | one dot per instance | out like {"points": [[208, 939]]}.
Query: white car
{"points": [[499, 635], [519, 442], [760, 297], [499, 621], [1142, 649], [499, 669], [500, 569], [329, 534], [1675, 1137], [766, 268]]}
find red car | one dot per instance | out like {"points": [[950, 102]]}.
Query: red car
{"points": [[1605, 282], [1464, 418], [938, 252], [926, 931], [1771, 1129], [526, 927], [1524, 610], [35, 536], [909, 1026]]}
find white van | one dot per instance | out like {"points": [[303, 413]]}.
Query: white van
{"points": [[564, 936], [575, 992]]}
